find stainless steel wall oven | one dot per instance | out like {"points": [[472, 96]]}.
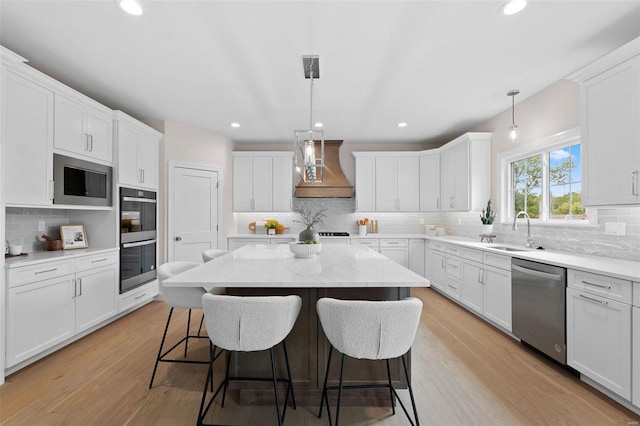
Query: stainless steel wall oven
{"points": [[138, 218]]}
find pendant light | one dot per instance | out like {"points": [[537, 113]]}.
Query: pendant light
{"points": [[513, 130], [308, 144]]}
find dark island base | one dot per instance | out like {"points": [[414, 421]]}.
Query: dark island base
{"points": [[308, 350]]}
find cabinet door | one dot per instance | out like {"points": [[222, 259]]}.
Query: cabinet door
{"points": [[398, 254], [438, 270], [599, 340], [28, 130], [242, 184], [96, 296], [128, 173], [39, 316], [282, 184], [148, 161], [408, 184], [636, 357], [99, 128], [455, 178], [497, 296], [386, 184], [263, 184], [430, 183], [365, 184], [70, 132], [447, 180], [610, 132], [416, 256], [471, 287]]}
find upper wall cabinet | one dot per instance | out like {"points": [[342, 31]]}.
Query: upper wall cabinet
{"points": [[387, 181], [137, 152], [28, 140], [262, 181], [83, 129], [610, 128], [430, 183], [465, 172]]}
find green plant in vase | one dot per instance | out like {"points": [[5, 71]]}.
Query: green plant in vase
{"points": [[310, 217], [487, 217]]}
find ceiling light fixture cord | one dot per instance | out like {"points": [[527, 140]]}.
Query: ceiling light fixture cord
{"points": [[311, 97]]}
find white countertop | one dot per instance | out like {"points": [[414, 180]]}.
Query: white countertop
{"points": [[47, 256], [269, 266]]}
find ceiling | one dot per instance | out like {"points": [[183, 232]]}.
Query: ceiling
{"points": [[443, 67]]}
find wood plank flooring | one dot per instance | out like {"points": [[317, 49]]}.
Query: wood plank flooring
{"points": [[464, 373]]}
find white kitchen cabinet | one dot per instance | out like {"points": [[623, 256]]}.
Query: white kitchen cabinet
{"points": [[465, 173], [365, 184], [610, 126], [438, 267], [138, 296], [137, 153], [497, 295], [453, 270], [397, 184], [262, 181], [471, 285], [599, 340], [373, 243], [416, 256], [28, 141], [39, 315], [430, 183], [83, 129], [396, 249], [635, 351], [236, 243], [96, 296]]}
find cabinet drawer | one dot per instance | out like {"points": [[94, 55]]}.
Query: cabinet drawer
{"points": [[96, 260], [453, 267], [472, 254], [28, 274], [497, 261], [370, 242], [453, 287], [438, 246], [454, 250], [394, 242], [138, 296], [601, 285]]}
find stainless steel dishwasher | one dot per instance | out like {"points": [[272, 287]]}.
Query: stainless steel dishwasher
{"points": [[538, 306]]}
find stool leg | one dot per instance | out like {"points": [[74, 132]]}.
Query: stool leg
{"points": [[201, 322], [324, 387], [164, 335], [393, 406], [186, 341], [226, 378], [339, 391], [275, 387], [202, 412], [290, 386], [413, 402]]}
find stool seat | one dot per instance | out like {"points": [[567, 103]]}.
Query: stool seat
{"points": [[211, 254]]}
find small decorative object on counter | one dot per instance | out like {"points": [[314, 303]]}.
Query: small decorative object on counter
{"points": [[373, 226], [487, 217], [73, 236], [362, 227], [273, 226], [51, 244], [310, 217], [305, 249]]}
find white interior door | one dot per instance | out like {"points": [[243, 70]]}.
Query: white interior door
{"points": [[193, 213]]}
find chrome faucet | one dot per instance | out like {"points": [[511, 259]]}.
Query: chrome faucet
{"points": [[515, 227]]}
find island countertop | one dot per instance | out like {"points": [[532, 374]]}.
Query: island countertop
{"points": [[274, 266]]}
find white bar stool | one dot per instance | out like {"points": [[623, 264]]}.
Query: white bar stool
{"points": [[248, 324], [181, 298], [370, 330], [211, 254]]}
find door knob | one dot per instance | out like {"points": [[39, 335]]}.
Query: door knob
{"points": [[178, 238]]}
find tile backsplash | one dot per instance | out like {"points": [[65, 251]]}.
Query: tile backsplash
{"points": [[587, 239], [22, 226]]}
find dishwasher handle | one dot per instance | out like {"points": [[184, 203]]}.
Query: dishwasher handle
{"points": [[540, 274]]}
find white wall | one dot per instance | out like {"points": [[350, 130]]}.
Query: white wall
{"points": [[187, 144]]}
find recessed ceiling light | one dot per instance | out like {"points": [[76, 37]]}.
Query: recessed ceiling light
{"points": [[514, 6], [235, 125], [403, 124], [318, 124], [132, 7]]}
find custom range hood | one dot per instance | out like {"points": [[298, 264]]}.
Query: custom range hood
{"points": [[334, 183]]}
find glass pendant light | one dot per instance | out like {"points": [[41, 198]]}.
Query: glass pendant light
{"points": [[513, 130]]}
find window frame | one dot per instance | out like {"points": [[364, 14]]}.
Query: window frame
{"points": [[539, 147]]}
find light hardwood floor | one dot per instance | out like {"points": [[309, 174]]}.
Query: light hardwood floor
{"points": [[464, 373]]}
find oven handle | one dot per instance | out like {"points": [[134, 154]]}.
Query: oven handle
{"points": [[541, 274], [140, 200], [138, 244]]}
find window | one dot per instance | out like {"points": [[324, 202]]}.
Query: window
{"points": [[545, 182]]}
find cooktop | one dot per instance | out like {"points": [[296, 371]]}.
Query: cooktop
{"points": [[333, 234]]}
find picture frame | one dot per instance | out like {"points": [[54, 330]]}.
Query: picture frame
{"points": [[73, 237]]}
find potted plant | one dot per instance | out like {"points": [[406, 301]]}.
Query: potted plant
{"points": [[310, 217], [487, 217], [271, 225]]}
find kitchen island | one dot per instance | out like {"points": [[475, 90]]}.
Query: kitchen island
{"points": [[342, 272]]}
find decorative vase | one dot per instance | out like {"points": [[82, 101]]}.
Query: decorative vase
{"points": [[309, 234], [487, 229], [271, 231]]}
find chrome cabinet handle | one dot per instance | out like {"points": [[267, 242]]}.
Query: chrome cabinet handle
{"points": [[438, 203], [80, 284], [141, 296], [443, 265], [99, 260], [90, 143], [604, 302], [142, 175], [608, 287], [634, 182], [75, 288], [44, 272], [51, 189]]}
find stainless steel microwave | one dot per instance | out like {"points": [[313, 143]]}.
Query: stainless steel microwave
{"points": [[80, 182]]}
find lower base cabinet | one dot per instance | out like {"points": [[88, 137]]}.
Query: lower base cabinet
{"points": [[497, 296], [636, 352], [95, 300]]}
